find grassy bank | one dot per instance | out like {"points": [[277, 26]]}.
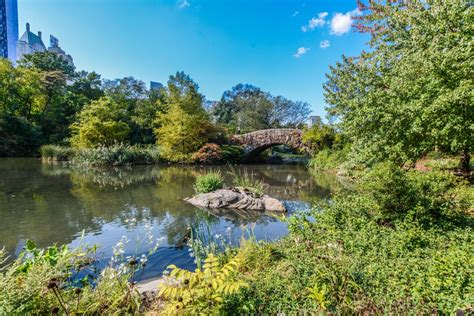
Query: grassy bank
{"points": [[117, 155], [400, 243]]}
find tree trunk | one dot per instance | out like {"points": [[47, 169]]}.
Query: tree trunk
{"points": [[465, 161]]}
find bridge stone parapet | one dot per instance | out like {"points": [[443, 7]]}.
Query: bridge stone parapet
{"points": [[256, 142]]}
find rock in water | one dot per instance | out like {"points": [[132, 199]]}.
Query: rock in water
{"points": [[238, 199]]}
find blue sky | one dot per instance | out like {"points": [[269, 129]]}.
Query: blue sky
{"points": [[282, 46]]}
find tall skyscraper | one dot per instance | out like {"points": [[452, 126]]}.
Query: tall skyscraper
{"points": [[8, 29]]}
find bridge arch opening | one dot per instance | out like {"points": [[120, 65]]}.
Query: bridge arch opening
{"points": [[278, 151]]}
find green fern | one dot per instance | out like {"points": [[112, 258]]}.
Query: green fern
{"points": [[202, 291]]}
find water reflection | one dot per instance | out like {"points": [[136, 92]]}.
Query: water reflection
{"points": [[55, 203]]}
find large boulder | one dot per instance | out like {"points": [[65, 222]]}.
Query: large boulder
{"points": [[237, 199]]}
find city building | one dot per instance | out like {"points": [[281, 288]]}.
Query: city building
{"points": [[30, 43], [314, 120], [54, 47], [8, 29], [155, 85]]}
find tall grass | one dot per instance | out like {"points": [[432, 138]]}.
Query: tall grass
{"points": [[116, 155], [56, 153], [209, 182], [247, 181]]}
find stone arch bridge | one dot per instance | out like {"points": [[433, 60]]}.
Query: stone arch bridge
{"points": [[256, 142]]}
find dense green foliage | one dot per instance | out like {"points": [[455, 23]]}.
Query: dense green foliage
{"points": [[203, 291], [401, 243], [330, 159], [413, 90], [39, 101], [102, 156], [185, 126], [246, 108], [209, 182], [45, 281], [101, 123]]}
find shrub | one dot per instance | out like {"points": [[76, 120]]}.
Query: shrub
{"points": [[319, 136], [57, 153], [247, 181], [426, 196], [209, 182], [329, 159], [341, 259], [18, 137], [208, 154], [116, 155], [203, 291], [41, 281], [232, 153], [58, 280]]}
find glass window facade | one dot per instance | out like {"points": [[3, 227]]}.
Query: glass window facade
{"points": [[8, 28]]}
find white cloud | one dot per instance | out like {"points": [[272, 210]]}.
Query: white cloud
{"points": [[301, 51], [296, 13], [341, 23], [184, 4], [324, 44], [315, 22]]}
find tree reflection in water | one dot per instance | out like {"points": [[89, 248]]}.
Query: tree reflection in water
{"points": [[55, 203]]}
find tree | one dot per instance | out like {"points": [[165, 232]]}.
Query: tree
{"points": [[414, 90], [184, 126], [87, 85], [320, 136], [47, 62], [61, 105], [246, 108], [22, 100], [288, 113], [102, 122]]}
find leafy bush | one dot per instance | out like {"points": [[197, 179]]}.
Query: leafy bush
{"points": [[116, 155], [18, 137], [208, 154], [350, 256], [203, 291], [329, 159], [43, 281], [247, 181], [319, 136], [103, 156], [58, 280], [425, 196], [56, 153], [232, 153], [209, 182]]}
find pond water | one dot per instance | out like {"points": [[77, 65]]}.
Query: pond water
{"points": [[58, 204]]}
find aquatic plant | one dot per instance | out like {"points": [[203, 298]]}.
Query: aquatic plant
{"points": [[56, 153], [62, 280], [209, 182], [247, 180]]}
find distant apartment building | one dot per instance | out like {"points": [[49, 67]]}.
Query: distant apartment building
{"points": [[8, 29], [314, 120], [30, 43], [54, 47], [155, 85]]}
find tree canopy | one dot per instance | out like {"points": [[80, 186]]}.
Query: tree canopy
{"points": [[246, 108], [183, 124], [413, 91]]}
